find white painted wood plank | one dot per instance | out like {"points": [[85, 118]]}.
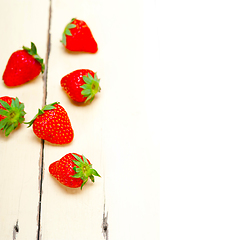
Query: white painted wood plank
{"points": [[72, 213], [132, 159], [21, 22], [113, 131]]}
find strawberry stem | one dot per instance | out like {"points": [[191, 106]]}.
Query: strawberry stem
{"points": [[91, 87], [83, 170], [13, 115]]}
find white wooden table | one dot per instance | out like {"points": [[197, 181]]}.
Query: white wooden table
{"points": [[114, 131], [169, 73]]}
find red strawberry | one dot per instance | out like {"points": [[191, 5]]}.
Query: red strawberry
{"points": [[78, 37], [73, 170], [23, 66], [81, 85], [11, 114], [52, 124]]}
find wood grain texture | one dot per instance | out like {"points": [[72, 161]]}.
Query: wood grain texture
{"points": [[114, 132], [22, 23]]}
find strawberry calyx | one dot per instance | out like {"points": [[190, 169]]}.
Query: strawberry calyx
{"points": [[13, 115], [41, 111], [67, 31], [33, 52], [91, 87], [83, 170]]}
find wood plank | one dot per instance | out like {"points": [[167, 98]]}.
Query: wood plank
{"points": [[112, 131], [22, 22], [72, 213], [132, 159]]}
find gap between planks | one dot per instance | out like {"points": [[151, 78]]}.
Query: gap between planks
{"points": [[15, 230], [41, 158], [105, 223]]}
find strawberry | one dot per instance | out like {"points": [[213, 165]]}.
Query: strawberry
{"points": [[11, 114], [52, 124], [78, 37], [81, 85], [23, 66], [73, 170]]}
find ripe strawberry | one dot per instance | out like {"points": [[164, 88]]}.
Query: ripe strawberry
{"points": [[52, 124], [73, 170], [81, 85], [11, 114], [78, 37], [23, 66]]}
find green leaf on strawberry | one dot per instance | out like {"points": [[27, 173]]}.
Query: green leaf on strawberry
{"points": [[33, 52], [84, 170], [91, 87], [67, 32], [41, 111], [11, 114], [81, 85]]}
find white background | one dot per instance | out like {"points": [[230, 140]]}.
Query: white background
{"points": [[195, 116]]}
